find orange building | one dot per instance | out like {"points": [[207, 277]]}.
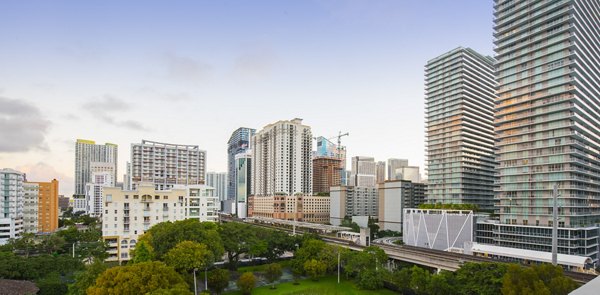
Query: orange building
{"points": [[47, 206]]}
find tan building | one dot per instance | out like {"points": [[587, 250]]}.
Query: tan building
{"points": [[394, 197], [326, 173], [305, 208], [348, 201], [128, 214], [47, 206]]}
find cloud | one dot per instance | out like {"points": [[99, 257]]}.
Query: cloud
{"points": [[70, 117], [43, 172], [255, 64], [22, 126], [173, 96], [104, 108], [187, 69]]}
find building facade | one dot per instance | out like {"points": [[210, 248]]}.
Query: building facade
{"points": [[326, 174], [547, 118], [91, 157], [202, 203], [31, 191], [218, 180], [394, 197], [444, 230], [364, 172], [94, 190], [166, 164], [243, 173], [239, 143], [12, 199], [380, 174], [282, 159], [300, 208], [398, 169], [348, 201], [47, 206], [460, 95]]}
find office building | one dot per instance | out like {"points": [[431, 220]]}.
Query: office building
{"points": [[326, 173], [218, 180], [94, 193], [91, 157], [243, 173], [12, 199], [380, 172], [547, 123], [31, 191], [282, 160], [300, 208], [364, 172], [239, 143], [394, 197], [166, 164], [460, 95], [348, 201], [398, 169]]}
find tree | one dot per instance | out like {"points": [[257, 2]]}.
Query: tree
{"points": [[51, 284], [238, 238], [370, 279], [143, 252], [273, 272], [480, 278], [539, 279], [276, 243], [315, 269], [419, 280], [246, 282], [87, 278], [401, 279], [218, 280], [52, 244], [139, 278], [188, 255], [24, 245], [310, 249], [439, 285]]}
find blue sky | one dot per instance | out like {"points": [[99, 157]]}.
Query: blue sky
{"points": [[193, 71]]}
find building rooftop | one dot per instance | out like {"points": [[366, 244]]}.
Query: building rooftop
{"points": [[563, 259]]}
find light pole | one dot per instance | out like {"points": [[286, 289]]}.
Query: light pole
{"points": [[339, 253], [195, 287], [205, 278]]}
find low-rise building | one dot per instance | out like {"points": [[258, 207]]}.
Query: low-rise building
{"points": [[300, 208]]}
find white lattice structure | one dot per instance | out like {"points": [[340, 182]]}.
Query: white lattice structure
{"points": [[438, 229]]}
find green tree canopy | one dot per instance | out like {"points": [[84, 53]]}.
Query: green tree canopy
{"points": [[480, 278], [143, 252], [238, 239], [539, 279], [139, 278], [272, 273], [246, 282], [188, 255], [218, 280], [87, 278], [315, 269]]}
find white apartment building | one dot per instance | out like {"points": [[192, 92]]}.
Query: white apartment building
{"points": [[166, 164], [91, 157], [93, 192], [11, 203], [30, 207], [218, 180], [364, 172], [128, 214], [282, 161]]}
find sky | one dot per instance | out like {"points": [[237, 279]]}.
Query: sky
{"points": [[191, 72]]}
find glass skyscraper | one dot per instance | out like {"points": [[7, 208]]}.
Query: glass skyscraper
{"points": [[459, 106], [238, 143], [548, 123]]}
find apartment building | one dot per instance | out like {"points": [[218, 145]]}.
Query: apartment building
{"points": [[348, 201], [12, 199], [364, 172], [94, 193], [239, 143], [166, 164], [300, 208], [218, 180], [91, 157], [326, 174], [394, 197]]}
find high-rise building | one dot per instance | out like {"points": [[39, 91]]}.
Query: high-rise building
{"points": [[91, 157], [282, 160], [460, 95], [364, 172], [547, 123], [31, 191], [380, 174], [94, 190], [166, 164], [398, 169], [63, 203], [243, 173], [326, 148], [218, 180], [326, 173], [239, 142], [47, 206], [11, 203]]}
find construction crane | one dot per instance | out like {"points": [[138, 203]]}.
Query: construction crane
{"points": [[339, 141]]}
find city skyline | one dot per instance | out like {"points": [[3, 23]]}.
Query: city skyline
{"points": [[105, 73]]}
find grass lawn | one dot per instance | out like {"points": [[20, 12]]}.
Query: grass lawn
{"points": [[325, 286]]}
